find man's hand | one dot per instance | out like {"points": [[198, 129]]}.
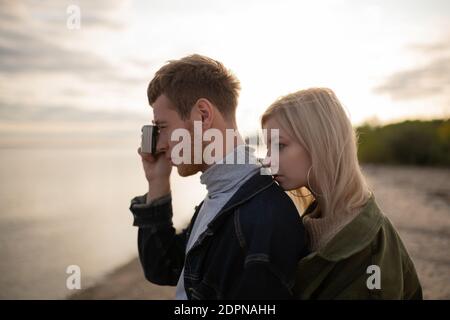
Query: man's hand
{"points": [[157, 172]]}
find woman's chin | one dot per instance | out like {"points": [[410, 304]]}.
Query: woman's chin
{"points": [[285, 184], [280, 181]]}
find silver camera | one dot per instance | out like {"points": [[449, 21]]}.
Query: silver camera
{"points": [[149, 138]]}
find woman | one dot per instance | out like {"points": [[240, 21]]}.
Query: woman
{"points": [[355, 251]]}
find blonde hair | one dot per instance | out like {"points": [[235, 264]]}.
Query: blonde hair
{"points": [[317, 120]]}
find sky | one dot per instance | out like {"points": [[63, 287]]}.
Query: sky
{"points": [[387, 61]]}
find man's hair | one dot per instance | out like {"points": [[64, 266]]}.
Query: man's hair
{"points": [[186, 80]]}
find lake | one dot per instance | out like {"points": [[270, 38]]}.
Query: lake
{"points": [[69, 206], [63, 206]]}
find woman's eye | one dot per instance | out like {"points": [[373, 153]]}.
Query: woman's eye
{"points": [[279, 146]]}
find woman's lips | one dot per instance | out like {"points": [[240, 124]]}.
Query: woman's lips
{"points": [[277, 177]]}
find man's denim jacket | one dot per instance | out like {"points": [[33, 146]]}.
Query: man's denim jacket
{"points": [[250, 250]]}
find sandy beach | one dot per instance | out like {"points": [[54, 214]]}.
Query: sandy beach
{"points": [[417, 201]]}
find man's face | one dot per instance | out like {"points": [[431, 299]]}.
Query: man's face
{"points": [[167, 119]]}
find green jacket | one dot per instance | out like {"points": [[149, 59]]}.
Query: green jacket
{"points": [[339, 270]]}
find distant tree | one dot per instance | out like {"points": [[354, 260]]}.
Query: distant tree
{"points": [[409, 142]]}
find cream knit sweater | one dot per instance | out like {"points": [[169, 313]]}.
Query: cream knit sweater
{"points": [[321, 229]]}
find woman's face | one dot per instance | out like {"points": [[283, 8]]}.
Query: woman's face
{"points": [[293, 160]]}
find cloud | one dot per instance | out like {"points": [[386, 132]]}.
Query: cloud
{"points": [[33, 39], [46, 70], [442, 47], [431, 80], [33, 54], [17, 113], [52, 13]]}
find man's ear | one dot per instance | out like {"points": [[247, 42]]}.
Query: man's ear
{"points": [[205, 112]]}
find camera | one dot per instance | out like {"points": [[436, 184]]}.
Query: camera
{"points": [[149, 138]]}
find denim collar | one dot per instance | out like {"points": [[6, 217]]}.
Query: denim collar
{"points": [[254, 185]]}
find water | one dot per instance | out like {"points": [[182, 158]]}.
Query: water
{"points": [[61, 207]]}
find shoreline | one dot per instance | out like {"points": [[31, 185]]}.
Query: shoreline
{"points": [[125, 282], [414, 199]]}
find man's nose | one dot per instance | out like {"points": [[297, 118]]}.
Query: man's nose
{"points": [[161, 145], [266, 162]]}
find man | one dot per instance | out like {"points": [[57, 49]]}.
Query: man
{"points": [[246, 237]]}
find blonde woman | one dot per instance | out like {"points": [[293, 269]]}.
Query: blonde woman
{"points": [[355, 251]]}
